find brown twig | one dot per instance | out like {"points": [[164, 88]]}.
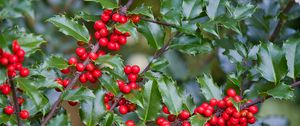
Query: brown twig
{"points": [[159, 22], [280, 23], [15, 100]]}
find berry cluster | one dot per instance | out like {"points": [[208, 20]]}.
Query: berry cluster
{"points": [[13, 62], [223, 113], [183, 118], [132, 75], [113, 40], [9, 110]]}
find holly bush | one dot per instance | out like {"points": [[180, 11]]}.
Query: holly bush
{"points": [[255, 42]]}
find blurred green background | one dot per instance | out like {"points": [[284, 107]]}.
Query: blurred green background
{"points": [[32, 15]]}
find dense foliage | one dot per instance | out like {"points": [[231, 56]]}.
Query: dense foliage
{"points": [[260, 51]]}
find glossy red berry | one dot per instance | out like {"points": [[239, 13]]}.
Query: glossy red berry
{"points": [[160, 120], [84, 56], [24, 72], [79, 67], [122, 40], [184, 115], [123, 109], [4, 61], [82, 78], [252, 120], [231, 92], [208, 113], [103, 42], [130, 123], [171, 118], [123, 19], [125, 89], [135, 18], [116, 17], [13, 59], [103, 32], [132, 77], [133, 85], [93, 56], [135, 69], [253, 109], [101, 53], [186, 124], [99, 25], [5, 89], [20, 53], [165, 109], [96, 73], [90, 67], [72, 61], [65, 71], [24, 114], [213, 102], [21, 100], [80, 51], [114, 38], [105, 17], [221, 121], [117, 47], [97, 35], [221, 104], [111, 46], [107, 11], [127, 69], [8, 110]]}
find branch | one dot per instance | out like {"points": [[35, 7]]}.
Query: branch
{"points": [[159, 22], [72, 83], [260, 100], [15, 100], [280, 23]]}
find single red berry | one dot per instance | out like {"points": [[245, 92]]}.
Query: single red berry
{"points": [[130, 123], [20, 53], [135, 69], [165, 123], [107, 11], [5, 89], [82, 78], [234, 121], [221, 104], [231, 92], [243, 120], [116, 17], [123, 19], [93, 56], [204, 105], [228, 103], [24, 114], [80, 51], [72, 103], [171, 118], [111, 46], [165, 109], [237, 98], [79, 67], [252, 120], [249, 115], [4, 61], [18, 66], [65, 71], [213, 102], [97, 35], [24, 72], [123, 109], [101, 53], [122, 40], [236, 114], [125, 89], [185, 123], [103, 42], [135, 18], [225, 116], [114, 38], [89, 76], [103, 32], [96, 73], [8, 110], [120, 83], [84, 56], [160, 120], [11, 73], [208, 113], [99, 25], [200, 110], [229, 110], [90, 67], [131, 107], [72, 61], [13, 59], [65, 83], [221, 121], [132, 77], [10, 67], [253, 109], [184, 115], [105, 17], [133, 85], [21, 100]]}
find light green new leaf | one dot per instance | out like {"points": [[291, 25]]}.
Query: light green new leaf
{"points": [[79, 94], [57, 62], [151, 102], [154, 34], [208, 88], [109, 4], [92, 110], [292, 52], [71, 27], [60, 120], [272, 63]]}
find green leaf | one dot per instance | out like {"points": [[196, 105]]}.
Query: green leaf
{"points": [[243, 11], [191, 45], [2, 75], [143, 10], [109, 4], [57, 62], [108, 119], [282, 92], [272, 63], [154, 34], [198, 120], [212, 8], [30, 89], [115, 62], [128, 27], [166, 6], [43, 82], [92, 110], [3, 42], [192, 8], [170, 94], [188, 103], [71, 27], [86, 16], [30, 43], [109, 84], [135, 97], [151, 102], [59, 120], [208, 88], [79, 94], [159, 64], [4, 118], [292, 52]]}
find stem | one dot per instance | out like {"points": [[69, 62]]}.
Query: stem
{"points": [[280, 23], [260, 100], [72, 83], [159, 22], [15, 100]]}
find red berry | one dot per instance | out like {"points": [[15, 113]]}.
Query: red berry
{"points": [[99, 25], [107, 11], [160, 120], [65, 71], [18, 66], [4, 61], [11, 73], [80, 43], [72, 61], [117, 32], [221, 104], [13, 59], [101, 53], [114, 38], [243, 120], [105, 17], [93, 56], [225, 116], [221, 121], [103, 42], [79, 67], [200, 110], [123, 109], [135, 69], [90, 67], [20, 100], [123, 19], [252, 120], [186, 124], [171, 118], [97, 34], [131, 107], [117, 47], [253, 109], [111, 46], [234, 121], [24, 72], [10, 67], [130, 123], [236, 115], [96, 73], [80, 51], [5, 89], [165, 109], [125, 89], [84, 56], [249, 115], [135, 18], [228, 103], [237, 98], [122, 40], [208, 113], [132, 77], [120, 83], [20, 53], [24, 114], [133, 85], [89, 76], [231, 92], [116, 17], [72, 103], [103, 32], [65, 83], [82, 78], [213, 102], [184, 115], [8, 110], [229, 110], [213, 120]]}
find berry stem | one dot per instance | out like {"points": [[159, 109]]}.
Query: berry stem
{"points": [[159, 22], [15, 100]]}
